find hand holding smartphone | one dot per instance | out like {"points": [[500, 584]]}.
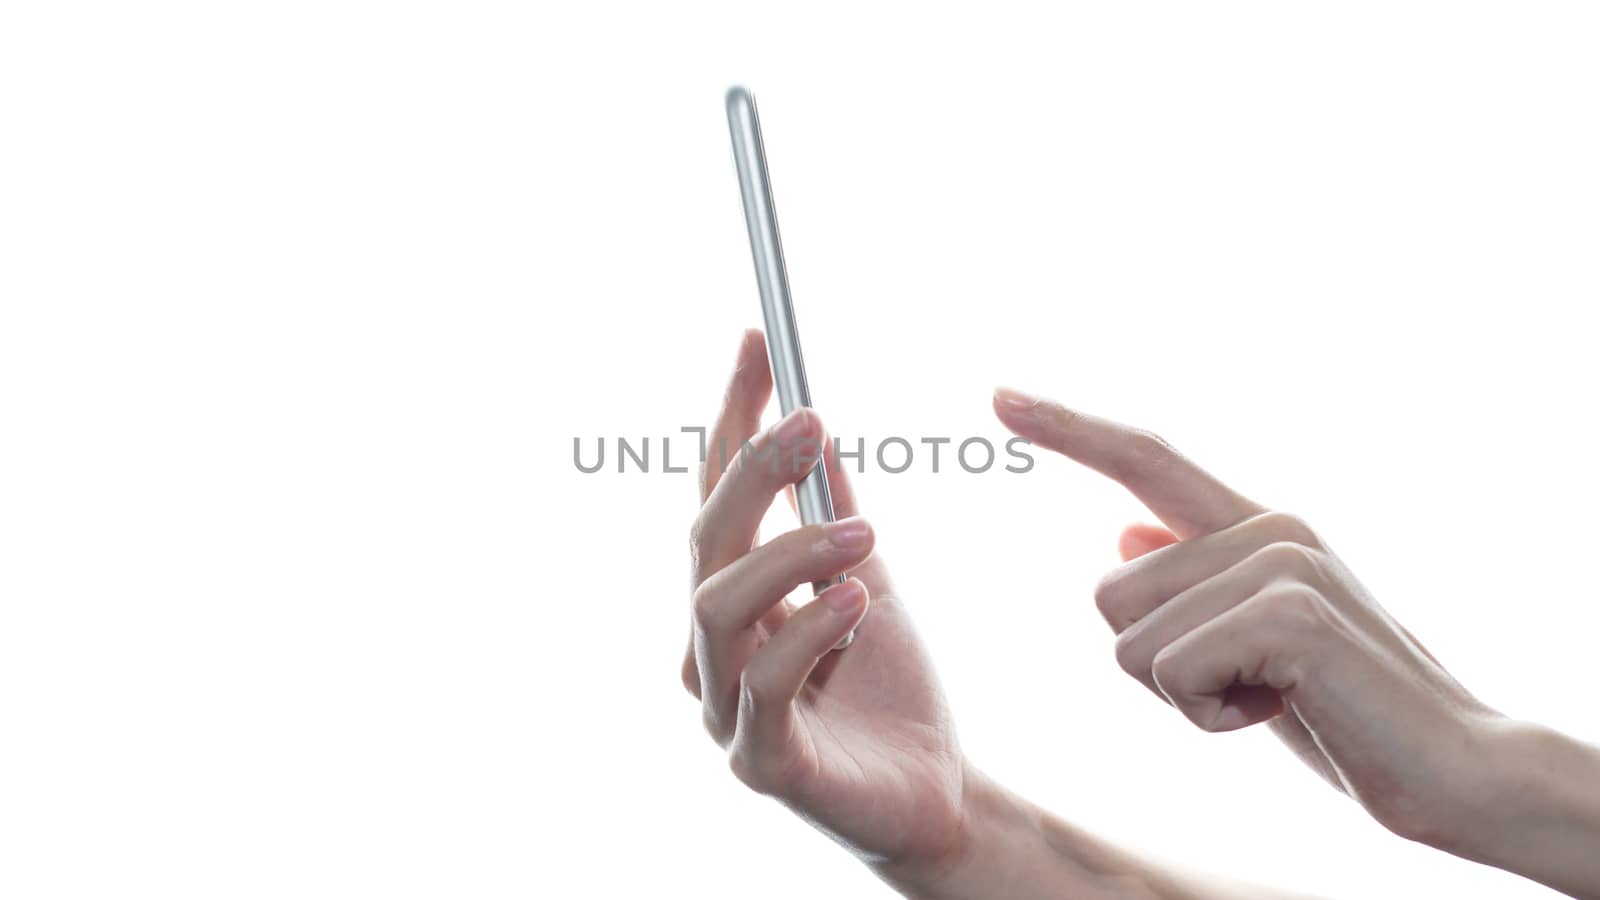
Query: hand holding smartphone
{"points": [[777, 310]]}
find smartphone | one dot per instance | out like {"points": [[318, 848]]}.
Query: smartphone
{"points": [[777, 310]]}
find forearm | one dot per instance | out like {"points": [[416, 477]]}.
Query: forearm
{"points": [[1540, 809], [1011, 848]]}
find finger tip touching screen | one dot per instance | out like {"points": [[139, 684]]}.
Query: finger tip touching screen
{"points": [[777, 310]]}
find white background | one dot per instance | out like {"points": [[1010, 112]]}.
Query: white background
{"points": [[303, 304]]}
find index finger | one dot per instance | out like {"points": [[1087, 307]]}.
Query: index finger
{"points": [[749, 389], [1185, 497]]}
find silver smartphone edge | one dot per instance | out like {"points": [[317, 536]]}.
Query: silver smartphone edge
{"points": [[783, 338]]}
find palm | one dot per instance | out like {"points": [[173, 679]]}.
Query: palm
{"points": [[861, 742], [875, 758]]}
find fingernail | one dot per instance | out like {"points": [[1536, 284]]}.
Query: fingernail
{"points": [[1229, 718], [849, 534], [845, 597], [1015, 400]]}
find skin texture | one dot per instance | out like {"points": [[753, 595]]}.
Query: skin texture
{"points": [[1238, 615], [1232, 613], [860, 743]]}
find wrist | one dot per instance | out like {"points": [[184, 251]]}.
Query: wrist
{"points": [[986, 807], [1539, 807], [1008, 847]]}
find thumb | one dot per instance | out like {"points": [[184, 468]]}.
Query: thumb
{"points": [[1139, 539]]}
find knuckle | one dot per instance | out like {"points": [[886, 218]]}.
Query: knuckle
{"points": [[707, 612], [1289, 527], [756, 691], [1167, 669], [751, 768], [1129, 656], [740, 765], [1151, 442], [767, 769], [1150, 448], [1144, 451], [1290, 558], [690, 673], [1295, 607], [1108, 593]]}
